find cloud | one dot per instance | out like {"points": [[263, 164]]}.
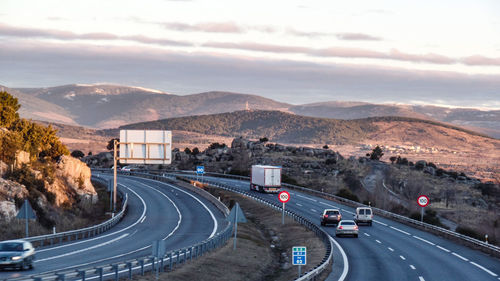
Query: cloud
{"points": [[309, 34], [26, 32], [357, 37], [214, 27], [48, 64], [480, 60]]}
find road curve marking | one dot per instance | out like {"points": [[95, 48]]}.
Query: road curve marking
{"points": [[459, 256], [485, 269], [344, 258], [85, 249], [108, 234]]}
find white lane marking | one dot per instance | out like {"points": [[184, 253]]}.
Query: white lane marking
{"points": [[327, 205], [216, 225], [344, 258], [378, 241], [379, 222], [402, 231], [305, 197], [143, 219], [300, 205], [366, 234], [423, 240], [313, 210], [403, 258], [175, 206], [444, 249], [109, 234], [420, 278], [485, 269], [85, 249], [459, 256], [390, 249], [412, 267]]}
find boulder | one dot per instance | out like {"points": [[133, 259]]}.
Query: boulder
{"points": [[430, 170]]}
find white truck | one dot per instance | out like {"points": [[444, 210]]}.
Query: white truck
{"points": [[265, 178]]}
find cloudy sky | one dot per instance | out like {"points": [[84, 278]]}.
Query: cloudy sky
{"points": [[443, 52]]}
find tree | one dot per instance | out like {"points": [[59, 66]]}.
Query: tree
{"points": [[376, 153], [393, 159], [187, 150], [90, 153], [10, 143], [264, 139], [195, 151], [325, 146], [8, 109], [77, 154], [111, 144]]}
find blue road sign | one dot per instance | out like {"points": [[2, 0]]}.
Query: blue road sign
{"points": [[200, 170], [299, 255]]}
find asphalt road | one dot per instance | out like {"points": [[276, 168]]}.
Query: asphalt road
{"points": [[156, 211], [389, 250]]}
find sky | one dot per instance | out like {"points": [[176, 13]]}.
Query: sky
{"points": [[388, 51]]}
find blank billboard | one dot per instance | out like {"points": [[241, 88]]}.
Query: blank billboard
{"points": [[145, 147]]}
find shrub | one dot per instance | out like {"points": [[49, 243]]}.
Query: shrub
{"points": [[287, 179], [77, 154], [264, 139], [325, 146], [347, 194], [430, 217], [469, 232]]}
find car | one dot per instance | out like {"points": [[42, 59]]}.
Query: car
{"points": [[330, 216], [347, 227], [17, 254], [363, 215], [127, 168]]}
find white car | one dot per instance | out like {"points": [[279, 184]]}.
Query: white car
{"points": [[364, 215], [17, 254], [347, 227]]}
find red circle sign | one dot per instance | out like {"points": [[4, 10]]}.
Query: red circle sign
{"points": [[284, 196], [423, 201]]}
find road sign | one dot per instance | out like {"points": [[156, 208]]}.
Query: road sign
{"points": [[235, 216], [299, 255], [200, 170], [26, 212], [284, 196], [423, 201]]}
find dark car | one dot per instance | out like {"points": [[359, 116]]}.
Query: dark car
{"points": [[17, 254], [330, 216]]}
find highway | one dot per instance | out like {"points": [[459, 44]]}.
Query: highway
{"points": [[156, 211], [389, 250]]}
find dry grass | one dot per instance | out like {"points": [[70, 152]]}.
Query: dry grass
{"points": [[254, 258]]}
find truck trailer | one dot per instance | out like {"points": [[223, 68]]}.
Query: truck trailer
{"points": [[265, 178]]}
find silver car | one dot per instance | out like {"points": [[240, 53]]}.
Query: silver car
{"points": [[17, 254], [347, 227]]}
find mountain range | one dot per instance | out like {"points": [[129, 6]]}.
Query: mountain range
{"points": [[110, 106]]}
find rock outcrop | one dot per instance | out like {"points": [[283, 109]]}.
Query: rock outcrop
{"points": [[9, 191]]}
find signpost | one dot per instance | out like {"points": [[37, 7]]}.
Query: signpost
{"points": [[299, 256], [158, 250], [26, 212], [422, 201], [284, 197], [200, 170], [235, 216]]}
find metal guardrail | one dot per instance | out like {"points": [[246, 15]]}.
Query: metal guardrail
{"points": [[481, 245], [71, 235], [140, 265], [313, 273]]}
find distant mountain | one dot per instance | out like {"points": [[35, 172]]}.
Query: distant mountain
{"points": [[108, 106], [487, 122], [290, 128]]}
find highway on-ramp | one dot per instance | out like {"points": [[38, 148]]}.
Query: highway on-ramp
{"points": [[389, 250], [156, 210]]}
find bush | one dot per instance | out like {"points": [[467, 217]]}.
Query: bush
{"points": [[216, 145], [469, 232], [77, 154], [430, 217], [330, 161], [264, 139], [347, 194], [325, 146], [289, 180]]}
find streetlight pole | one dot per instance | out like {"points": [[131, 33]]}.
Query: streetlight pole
{"points": [[115, 145]]}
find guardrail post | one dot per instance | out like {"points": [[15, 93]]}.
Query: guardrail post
{"points": [[178, 257], [81, 273], [99, 271], [115, 268], [171, 260], [161, 264], [191, 254], [61, 277], [129, 265], [141, 262], [184, 257]]}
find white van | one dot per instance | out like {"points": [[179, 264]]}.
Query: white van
{"points": [[363, 215]]}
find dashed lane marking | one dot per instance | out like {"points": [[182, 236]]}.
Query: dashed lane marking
{"points": [[313, 210], [483, 268], [459, 256], [423, 240], [444, 249], [366, 234], [384, 224], [390, 249], [378, 241], [305, 197], [300, 205], [420, 278], [403, 258], [397, 229], [412, 267]]}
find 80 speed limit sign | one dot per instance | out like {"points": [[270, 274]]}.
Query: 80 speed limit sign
{"points": [[284, 196], [423, 201]]}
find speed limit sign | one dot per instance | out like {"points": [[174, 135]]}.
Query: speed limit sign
{"points": [[423, 201], [284, 196]]}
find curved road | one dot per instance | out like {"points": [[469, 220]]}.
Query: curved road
{"points": [[389, 250], [156, 210]]}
